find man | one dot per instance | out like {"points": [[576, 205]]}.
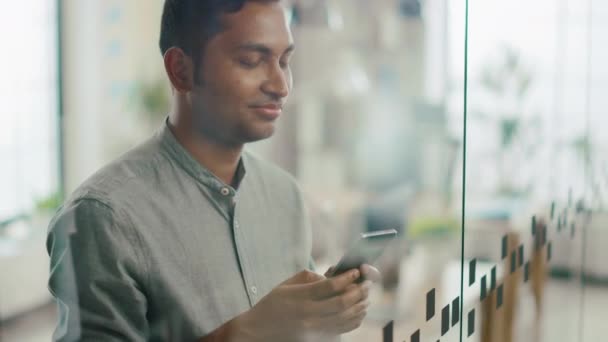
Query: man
{"points": [[188, 237]]}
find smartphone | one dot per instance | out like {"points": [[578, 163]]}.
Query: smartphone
{"points": [[365, 250]]}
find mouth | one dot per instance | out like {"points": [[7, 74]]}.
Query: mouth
{"points": [[269, 111]]}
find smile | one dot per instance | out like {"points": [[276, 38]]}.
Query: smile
{"points": [[268, 112]]}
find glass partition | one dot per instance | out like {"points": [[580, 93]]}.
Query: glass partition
{"points": [[529, 217], [375, 141]]}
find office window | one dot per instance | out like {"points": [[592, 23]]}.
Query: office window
{"points": [[29, 97]]}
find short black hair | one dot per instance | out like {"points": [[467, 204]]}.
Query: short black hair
{"points": [[189, 24]]}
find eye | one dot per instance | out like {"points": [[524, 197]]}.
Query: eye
{"points": [[249, 62]]}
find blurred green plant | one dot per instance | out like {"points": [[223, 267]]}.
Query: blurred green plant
{"points": [[508, 82], [587, 153], [432, 226], [583, 149], [49, 203], [151, 97]]}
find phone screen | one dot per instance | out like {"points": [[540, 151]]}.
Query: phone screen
{"points": [[366, 250]]}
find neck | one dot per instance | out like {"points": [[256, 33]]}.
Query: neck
{"points": [[218, 158]]}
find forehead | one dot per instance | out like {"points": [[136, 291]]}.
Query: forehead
{"points": [[263, 23]]}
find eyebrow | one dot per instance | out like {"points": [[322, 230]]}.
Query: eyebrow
{"points": [[261, 48]]}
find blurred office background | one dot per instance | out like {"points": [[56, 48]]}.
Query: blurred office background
{"points": [[375, 134]]}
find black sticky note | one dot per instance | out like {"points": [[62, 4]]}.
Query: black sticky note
{"points": [[445, 319], [493, 278], [513, 261], [526, 271], [504, 247], [415, 336], [387, 332], [533, 225], [549, 252], [455, 311], [482, 286], [499, 296], [471, 323], [430, 304], [472, 265], [520, 260]]}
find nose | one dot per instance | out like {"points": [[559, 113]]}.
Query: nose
{"points": [[278, 82]]}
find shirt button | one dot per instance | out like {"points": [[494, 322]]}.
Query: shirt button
{"points": [[236, 224], [225, 191], [254, 289]]}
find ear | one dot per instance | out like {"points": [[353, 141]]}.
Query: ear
{"points": [[180, 69]]}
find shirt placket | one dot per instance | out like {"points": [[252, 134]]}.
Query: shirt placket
{"points": [[245, 260], [240, 243]]}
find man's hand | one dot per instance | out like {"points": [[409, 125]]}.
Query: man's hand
{"points": [[368, 272], [371, 273], [307, 305]]}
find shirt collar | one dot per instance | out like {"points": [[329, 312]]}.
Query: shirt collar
{"points": [[185, 160]]}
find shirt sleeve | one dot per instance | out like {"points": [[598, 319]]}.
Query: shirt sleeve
{"points": [[95, 275]]}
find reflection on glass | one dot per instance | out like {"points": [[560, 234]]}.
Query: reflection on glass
{"points": [[527, 189]]}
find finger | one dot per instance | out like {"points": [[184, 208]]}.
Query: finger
{"points": [[355, 323], [342, 303], [346, 321], [330, 271], [350, 287], [331, 286], [303, 277], [369, 272]]}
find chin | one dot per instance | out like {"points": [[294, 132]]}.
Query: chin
{"points": [[259, 133]]}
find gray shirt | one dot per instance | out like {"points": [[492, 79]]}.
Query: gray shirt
{"points": [[155, 247]]}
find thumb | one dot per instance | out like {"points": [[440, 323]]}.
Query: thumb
{"points": [[330, 271], [303, 277]]}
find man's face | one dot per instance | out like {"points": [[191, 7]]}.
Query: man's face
{"points": [[244, 78]]}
